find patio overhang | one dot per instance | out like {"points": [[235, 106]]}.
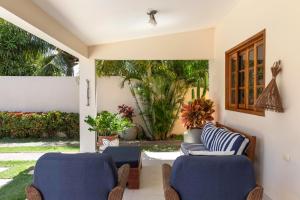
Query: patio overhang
{"points": [[29, 15], [33, 19]]}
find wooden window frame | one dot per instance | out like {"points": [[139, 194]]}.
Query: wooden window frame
{"points": [[246, 46]]}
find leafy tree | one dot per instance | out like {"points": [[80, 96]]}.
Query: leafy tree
{"points": [[23, 54], [158, 87], [58, 63]]}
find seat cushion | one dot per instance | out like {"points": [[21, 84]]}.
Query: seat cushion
{"points": [[213, 177], [124, 155], [75, 176], [186, 147]]}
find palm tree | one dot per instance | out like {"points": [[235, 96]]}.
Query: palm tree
{"points": [[56, 63], [19, 50], [24, 54]]}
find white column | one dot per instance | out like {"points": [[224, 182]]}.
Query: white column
{"points": [[87, 103]]}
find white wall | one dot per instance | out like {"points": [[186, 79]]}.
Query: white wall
{"points": [[110, 94], [37, 94], [181, 46], [278, 134]]}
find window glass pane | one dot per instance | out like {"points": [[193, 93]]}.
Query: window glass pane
{"points": [[241, 96], [251, 96], [233, 64], [241, 79], [241, 61], [251, 58], [251, 77], [259, 91], [260, 55], [232, 98], [260, 76], [232, 80]]}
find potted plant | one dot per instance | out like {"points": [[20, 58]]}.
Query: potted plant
{"points": [[107, 127], [127, 112], [194, 115]]}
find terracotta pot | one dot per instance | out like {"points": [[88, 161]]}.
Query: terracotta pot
{"points": [[105, 141]]}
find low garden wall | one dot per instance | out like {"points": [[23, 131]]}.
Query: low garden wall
{"points": [[39, 94], [48, 94]]}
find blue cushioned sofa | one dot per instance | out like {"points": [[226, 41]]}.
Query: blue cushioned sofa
{"points": [[210, 178], [83, 176], [214, 177], [218, 138]]}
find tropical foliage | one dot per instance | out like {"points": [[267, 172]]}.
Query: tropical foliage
{"points": [[106, 123], [196, 113], [38, 125], [23, 54], [158, 87], [126, 112]]}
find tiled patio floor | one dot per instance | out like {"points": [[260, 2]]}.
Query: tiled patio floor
{"points": [[151, 177]]}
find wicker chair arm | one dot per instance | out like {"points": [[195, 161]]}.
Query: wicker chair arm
{"points": [[169, 192], [116, 193], [123, 174], [256, 193], [32, 193]]}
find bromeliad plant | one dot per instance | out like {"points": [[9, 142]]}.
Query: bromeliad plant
{"points": [[107, 124], [126, 112], [196, 113]]}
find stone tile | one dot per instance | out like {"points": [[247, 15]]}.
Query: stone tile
{"points": [[20, 156], [4, 182], [151, 177], [2, 169]]}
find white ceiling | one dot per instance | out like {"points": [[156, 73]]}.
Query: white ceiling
{"points": [[103, 21]]}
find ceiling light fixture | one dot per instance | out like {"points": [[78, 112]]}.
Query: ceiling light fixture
{"points": [[152, 19]]}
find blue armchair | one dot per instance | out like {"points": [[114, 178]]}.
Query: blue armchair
{"points": [[77, 177], [211, 178]]}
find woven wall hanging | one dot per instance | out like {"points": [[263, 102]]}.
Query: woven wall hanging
{"points": [[270, 98]]}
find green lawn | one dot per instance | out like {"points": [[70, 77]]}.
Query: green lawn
{"points": [[70, 148], [18, 171], [24, 140], [45, 149]]}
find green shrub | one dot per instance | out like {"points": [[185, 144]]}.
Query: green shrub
{"points": [[37, 125], [106, 123]]}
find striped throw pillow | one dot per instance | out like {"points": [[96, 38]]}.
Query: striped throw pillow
{"points": [[226, 140], [209, 133], [221, 139]]}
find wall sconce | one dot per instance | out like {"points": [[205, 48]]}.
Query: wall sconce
{"points": [[87, 92]]}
